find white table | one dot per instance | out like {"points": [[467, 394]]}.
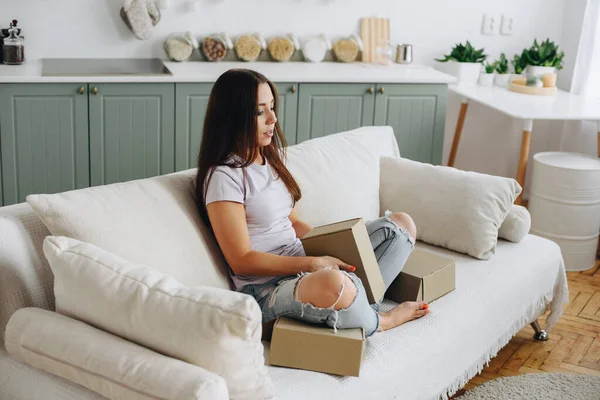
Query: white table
{"points": [[563, 106]]}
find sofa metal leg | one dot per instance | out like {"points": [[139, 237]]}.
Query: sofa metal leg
{"points": [[540, 334]]}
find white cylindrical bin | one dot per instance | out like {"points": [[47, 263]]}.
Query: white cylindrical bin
{"points": [[565, 205]]}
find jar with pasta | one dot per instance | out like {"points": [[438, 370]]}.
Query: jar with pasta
{"points": [[282, 48], [216, 47], [249, 47], [180, 47], [347, 49]]}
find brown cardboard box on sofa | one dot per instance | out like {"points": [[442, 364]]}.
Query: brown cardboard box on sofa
{"points": [[349, 241], [297, 344], [425, 277]]}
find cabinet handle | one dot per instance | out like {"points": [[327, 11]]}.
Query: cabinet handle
{"points": [[382, 90], [81, 90], [371, 90], [95, 91], [293, 89]]}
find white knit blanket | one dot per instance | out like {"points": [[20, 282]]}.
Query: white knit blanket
{"points": [[433, 357]]}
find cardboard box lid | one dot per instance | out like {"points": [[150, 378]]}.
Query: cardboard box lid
{"points": [[348, 241], [422, 263], [426, 276], [332, 228], [295, 325]]}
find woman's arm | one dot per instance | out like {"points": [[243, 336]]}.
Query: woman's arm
{"points": [[228, 221], [301, 227]]}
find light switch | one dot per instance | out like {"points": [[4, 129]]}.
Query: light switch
{"points": [[489, 25], [507, 26]]}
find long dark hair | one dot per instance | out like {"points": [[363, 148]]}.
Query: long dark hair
{"points": [[230, 127]]}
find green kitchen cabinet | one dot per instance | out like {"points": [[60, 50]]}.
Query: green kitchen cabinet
{"points": [[417, 113], [324, 109], [132, 131], [287, 114], [43, 139], [191, 101]]}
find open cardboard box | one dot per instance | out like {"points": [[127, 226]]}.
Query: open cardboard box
{"points": [[297, 344], [348, 241], [426, 277]]}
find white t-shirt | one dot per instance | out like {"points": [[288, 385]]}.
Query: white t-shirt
{"points": [[268, 205]]}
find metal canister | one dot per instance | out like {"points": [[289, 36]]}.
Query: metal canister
{"points": [[404, 54]]}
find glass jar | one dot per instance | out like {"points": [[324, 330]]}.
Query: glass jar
{"points": [[347, 49], [282, 48], [216, 47], [249, 47], [180, 47], [13, 49], [315, 48]]}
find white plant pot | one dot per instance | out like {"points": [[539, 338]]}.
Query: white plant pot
{"points": [[465, 73], [535, 71], [502, 80], [486, 80]]}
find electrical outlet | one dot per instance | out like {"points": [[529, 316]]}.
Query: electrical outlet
{"points": [[489, 25], [508, 24]]}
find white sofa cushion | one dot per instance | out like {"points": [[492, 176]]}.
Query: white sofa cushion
{"points": [[338, 175], [152, 221], [106, 364], [458, 210], [216, 329], [516, 225]]}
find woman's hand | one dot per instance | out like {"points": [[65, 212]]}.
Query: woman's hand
{"points": [[324, 262]]}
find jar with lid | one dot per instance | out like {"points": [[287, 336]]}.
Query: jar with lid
{"points": [[347, 49], [315, 48], [249, 47], [215, 47], [282, 48], [180, 47], [13, 49]]}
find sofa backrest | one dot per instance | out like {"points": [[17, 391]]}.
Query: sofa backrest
{"points": [[338, 174]]}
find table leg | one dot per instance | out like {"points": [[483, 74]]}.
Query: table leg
{"points": [[522, 169], [598, 124], [458, 131]]}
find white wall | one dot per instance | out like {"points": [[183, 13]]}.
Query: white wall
{"points": [[93, 28], [490, 143]]}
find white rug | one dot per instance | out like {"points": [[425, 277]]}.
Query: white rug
{"points": [[540, 386]]}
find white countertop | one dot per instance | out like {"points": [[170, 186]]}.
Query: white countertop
{"points": [[563, 106], [195, 71]]}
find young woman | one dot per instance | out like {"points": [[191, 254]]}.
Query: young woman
{"points": [[247, 196]]}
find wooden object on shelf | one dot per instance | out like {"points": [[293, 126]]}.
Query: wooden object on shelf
{"points": [[374, 32], [539, 91]]}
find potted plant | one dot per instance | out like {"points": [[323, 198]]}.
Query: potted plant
{"points": [[463, 62], [486, 78], [502, 75], [542, 61]]}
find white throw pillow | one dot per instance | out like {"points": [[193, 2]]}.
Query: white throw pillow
{"points": [[108, 365], [216, 329], [152, 221], [458, 210], [516, 225], [339, 179]]}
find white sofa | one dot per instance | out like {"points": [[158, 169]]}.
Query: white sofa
{"points": [[429, 358]]}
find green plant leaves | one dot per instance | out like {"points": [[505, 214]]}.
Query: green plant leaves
{"points": [[464, 53], [545, 54], [502, 64]]}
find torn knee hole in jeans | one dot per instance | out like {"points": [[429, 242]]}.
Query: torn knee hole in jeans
{"points": [[298, 295], [387, 214]]}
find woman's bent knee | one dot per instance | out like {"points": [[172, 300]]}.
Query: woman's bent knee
{"points": [[326, 288], [405, 221]]}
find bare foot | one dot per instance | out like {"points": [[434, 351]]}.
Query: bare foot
{"points": [[402, 313]]}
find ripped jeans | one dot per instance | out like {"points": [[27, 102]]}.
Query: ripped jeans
{"points": [[392, 246]]}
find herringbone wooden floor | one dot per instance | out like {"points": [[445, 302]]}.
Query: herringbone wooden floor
{"points": [[573, 345]]}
